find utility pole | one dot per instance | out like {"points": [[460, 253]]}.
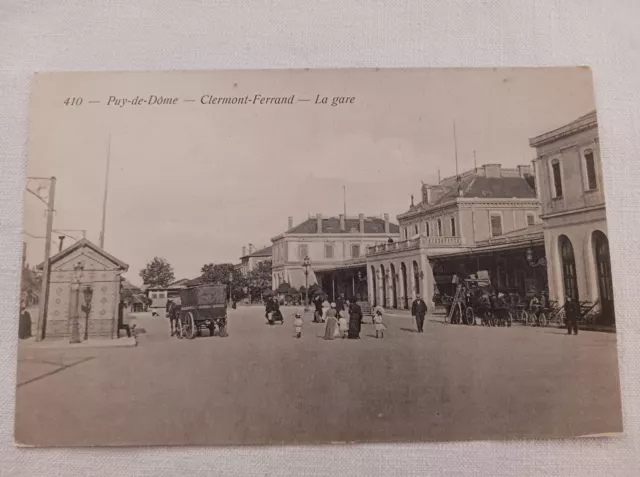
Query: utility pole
{"points": [[106, 192], [44, 294]]}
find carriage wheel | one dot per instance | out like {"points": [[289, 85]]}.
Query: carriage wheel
{"points": [[457, 315], [542, 320], [470, 318], [190, 329], [179, 329]]}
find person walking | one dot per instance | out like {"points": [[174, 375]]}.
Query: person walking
{"points": [[297, 325], [332, 323], [355, 321], [377, 319], [340, 303], [24, 326], [419, 310], [317, 302], [572, 309]]}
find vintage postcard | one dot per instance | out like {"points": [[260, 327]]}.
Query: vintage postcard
{"points": [[193, 241]]}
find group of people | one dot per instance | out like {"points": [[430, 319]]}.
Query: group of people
{"points": [[343, 318]]}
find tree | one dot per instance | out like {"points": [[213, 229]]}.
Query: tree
{"points": [[259, 280], [157, 273], [221, 274]]}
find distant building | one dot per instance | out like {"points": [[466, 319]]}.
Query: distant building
{"points": [[336, 247], [569, 173], [483, 219], [252, 260]]}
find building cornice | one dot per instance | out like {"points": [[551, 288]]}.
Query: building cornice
{"points": [[573, 211], [582, 124]]}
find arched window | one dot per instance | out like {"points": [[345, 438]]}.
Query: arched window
{"points": [[590, 169], [569, 277], [603, 271], [556, 175]]}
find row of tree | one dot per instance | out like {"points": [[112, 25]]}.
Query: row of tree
{"points": [[255, 285]]}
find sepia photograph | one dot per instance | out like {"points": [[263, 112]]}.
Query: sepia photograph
{"points": [[194, 239]]}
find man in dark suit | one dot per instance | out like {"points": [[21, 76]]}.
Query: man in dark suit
{"points": [[419, 310], [340, 303], [572, 309]]}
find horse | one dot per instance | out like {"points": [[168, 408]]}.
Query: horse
{"points": [[174, 316]]}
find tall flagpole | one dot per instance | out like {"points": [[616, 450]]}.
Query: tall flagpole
{"points": [[106, 192], [475, 164], [344, 198]]}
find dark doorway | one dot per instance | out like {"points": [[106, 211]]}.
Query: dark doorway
{"points": [[403, 272], [383, 277], [603, 269], [374, 282], [394, 285], [568, 267]]}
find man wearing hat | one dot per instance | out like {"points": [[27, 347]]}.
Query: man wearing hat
{"points": [[419, 310], [572, 309]]}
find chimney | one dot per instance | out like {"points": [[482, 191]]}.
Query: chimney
{"points": [[361, 217], [319, 223], [524, 171], [492, 170], [290, 223], [426, 194], [244, 250], [343, 223], [386, 223]]}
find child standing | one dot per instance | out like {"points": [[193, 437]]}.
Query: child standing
{"points": [[343, 324], [377, 319], [297, 325]]}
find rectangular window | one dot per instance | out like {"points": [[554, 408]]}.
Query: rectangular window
{"points": [[590, 165], [303, 251], [557, 178], [355, 250], [496, 225], [531, 220], [439, 228], [453, 226], [406, 233], [426, 226], [328, 250], [415, 230]]}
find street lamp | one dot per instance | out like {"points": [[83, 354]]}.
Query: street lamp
{"points": [[306, 263], [88, 295], [75, 289], [542, 262]]}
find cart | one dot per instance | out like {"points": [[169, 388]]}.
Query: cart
{"points": [[203, 307]]}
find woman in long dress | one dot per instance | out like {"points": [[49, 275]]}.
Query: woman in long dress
{"points": [[332, 323], [325, 309], [355, 321]]}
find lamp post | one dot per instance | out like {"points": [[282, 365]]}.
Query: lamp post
{"points": [[75, 289], [306, 263], [88, 295]]}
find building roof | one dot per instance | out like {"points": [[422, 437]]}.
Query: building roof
{"points": [[480, 187], [331, 225], [263, 252], [585, 121], [85, 243]]}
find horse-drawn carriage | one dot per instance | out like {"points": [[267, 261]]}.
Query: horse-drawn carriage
{"points": [[475, 298], [202, 307]]}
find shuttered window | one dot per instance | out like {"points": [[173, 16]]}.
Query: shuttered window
{"points": [[496, 225], [590, 165]]}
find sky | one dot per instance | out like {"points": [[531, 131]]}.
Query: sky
{"points": [[194, 182]]}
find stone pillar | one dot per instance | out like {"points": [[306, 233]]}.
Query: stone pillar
{"points": [[319, 223], [386, 224], [343, 223]]}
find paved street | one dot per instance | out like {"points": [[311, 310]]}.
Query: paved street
{"points": [[261, 386]]}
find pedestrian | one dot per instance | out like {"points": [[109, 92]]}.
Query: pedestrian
{"points": [[377, 319], [317, 315], [572, 309], [355, 321], [332, 323], [24, 324], [343, 323], [326, 306], [419, 310], [340, 303], [122, 325], [297, 325]]}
